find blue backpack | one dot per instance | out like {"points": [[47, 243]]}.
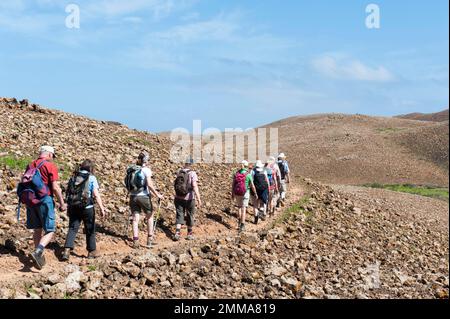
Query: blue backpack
{"points": [[31, 189]]}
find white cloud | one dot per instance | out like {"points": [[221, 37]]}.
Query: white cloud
{"points": [[339, 68]]}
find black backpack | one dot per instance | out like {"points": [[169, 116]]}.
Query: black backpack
{"points": [[182, 183], [78, 191], [135, 179], [260, 182], [282, 169]]}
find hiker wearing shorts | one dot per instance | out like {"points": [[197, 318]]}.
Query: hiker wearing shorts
{"points": [[261, 196], [41, 218], [187, 196], [140, 199], [285, 178], [240, 192], [82, 193]]}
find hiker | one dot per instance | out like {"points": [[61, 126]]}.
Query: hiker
{"points": [[82, 192], [261, 194], [240, 192], [285, 178], [38, 186], [187, 196], [271, 169], [140, 186]]}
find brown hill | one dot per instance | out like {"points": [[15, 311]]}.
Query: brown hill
{"points": [[432, 117], [358, 149], [327, 243]]}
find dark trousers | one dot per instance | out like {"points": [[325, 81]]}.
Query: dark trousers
{"points": [[76, 216]]}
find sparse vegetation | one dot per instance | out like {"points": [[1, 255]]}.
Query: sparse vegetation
{"points": [[92, 268], [428, 191], [14, 162], [296, 208]]}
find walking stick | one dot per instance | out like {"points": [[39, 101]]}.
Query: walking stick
{"points": [[157, 215]]}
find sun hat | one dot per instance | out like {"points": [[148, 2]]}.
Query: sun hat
{"points": [[259, 164], [281, 155], [244, 163]]}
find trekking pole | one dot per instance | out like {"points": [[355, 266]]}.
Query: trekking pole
{"points": [[157, 216]]}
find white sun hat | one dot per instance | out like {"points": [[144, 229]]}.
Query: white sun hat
{"points": [[47, 149], [244, 163], [259, 164], [281, 155]]}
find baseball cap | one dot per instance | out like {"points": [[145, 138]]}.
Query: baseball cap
{"points": [[47, 149]]}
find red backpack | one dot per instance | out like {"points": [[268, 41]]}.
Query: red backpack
{"points": [[240, 188]]}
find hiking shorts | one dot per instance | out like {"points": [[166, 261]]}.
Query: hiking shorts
{"points": [[141, 203], [185, 211], [242, 201], [42, 216]]}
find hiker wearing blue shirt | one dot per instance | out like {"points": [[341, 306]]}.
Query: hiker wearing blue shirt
{"points": [[285, 178], [82, 190]]}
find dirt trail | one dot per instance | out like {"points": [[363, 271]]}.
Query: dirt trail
{"points": [[18, 267]]}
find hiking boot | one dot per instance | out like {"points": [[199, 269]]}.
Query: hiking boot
{"points": [[66, 254], [150, 240], [177, 236], [39, 259], [190, 236], [93, 254], [256, 219]]}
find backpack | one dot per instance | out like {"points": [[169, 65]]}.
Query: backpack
{"points": [[239, 185], [78, 191], [259, 180], [135, 179], [270, 174], [281, 165], [31, 188], [182, 183]]}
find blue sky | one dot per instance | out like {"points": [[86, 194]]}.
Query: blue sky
{"points": [[158, 64]]}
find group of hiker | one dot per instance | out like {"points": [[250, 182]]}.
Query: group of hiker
{"points": [[262, 184]]}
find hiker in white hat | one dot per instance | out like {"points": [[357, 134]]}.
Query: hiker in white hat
{"points": [[240, 192], [285, 178], [261, 182], [39, 200]]}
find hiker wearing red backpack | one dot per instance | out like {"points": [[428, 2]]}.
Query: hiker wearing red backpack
{"points": [[240, 192], [187, 197], [36, 190]]}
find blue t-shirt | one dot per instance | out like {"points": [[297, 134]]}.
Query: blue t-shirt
{"points": [[93, 185]]}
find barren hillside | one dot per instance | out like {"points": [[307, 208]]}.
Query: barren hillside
{"points": [[358, 149], [329, 241], [433, 117]]}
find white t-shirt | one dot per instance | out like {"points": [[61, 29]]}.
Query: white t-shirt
{"points": [[147, 174]]}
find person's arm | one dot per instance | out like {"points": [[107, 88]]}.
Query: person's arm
{"points": [[288, 174], [57, 191], [197, 193], [99, 201], [152, 188]]}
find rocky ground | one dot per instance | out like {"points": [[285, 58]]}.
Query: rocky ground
{"points": [[329, 242]]}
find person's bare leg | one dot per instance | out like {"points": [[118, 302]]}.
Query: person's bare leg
{"points": [[46, 239], [244, 212], [136, 226], [150, 221]]}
